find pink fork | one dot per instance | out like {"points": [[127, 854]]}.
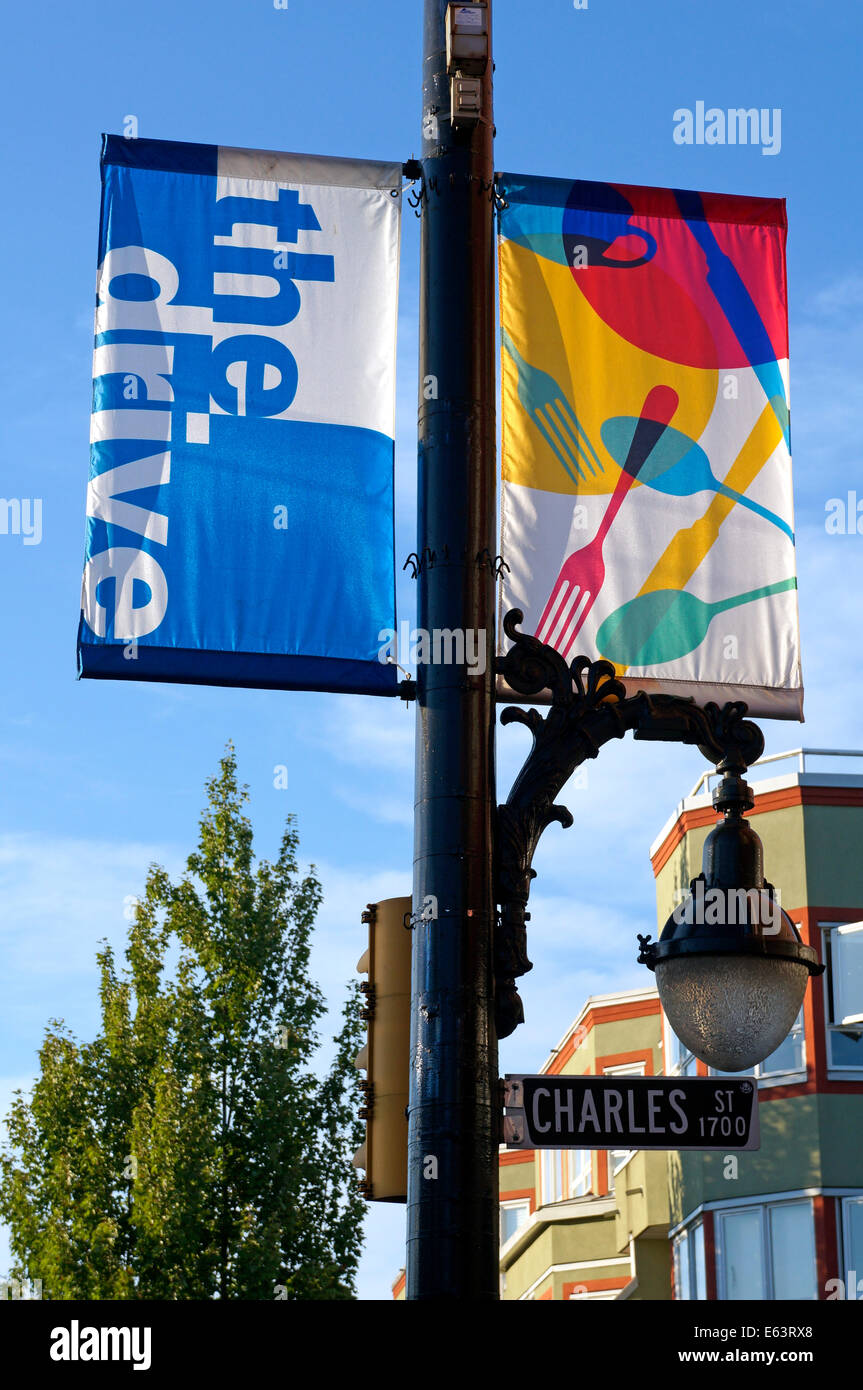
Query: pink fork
{"points": [[583, 573]]}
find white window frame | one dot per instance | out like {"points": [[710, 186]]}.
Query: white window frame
{"points": [[514, 1204], [834, 931], [847, 1261], [579, 1175], [693, 1236], [618, 1158], [563, 1160], [558, 1157], [840, 934], [776, 1078], [764, 1209], [782, 1078], [668, 1034]]}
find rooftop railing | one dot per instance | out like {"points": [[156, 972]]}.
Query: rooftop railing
{"points": [[801, 754]]}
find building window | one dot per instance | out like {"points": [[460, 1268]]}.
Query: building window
{"points": [[766, 1252], [580, 1172], [852, 1243], [790, 1055], [843, 994], [552, 1175], [566, 1173], [679, 1061], [512, 1216], [617, 1157], [690, 1269], [788, 1059]]}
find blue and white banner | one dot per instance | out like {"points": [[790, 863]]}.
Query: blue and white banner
{"points": [[240, 503]]}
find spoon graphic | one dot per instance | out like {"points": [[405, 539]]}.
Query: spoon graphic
{"points": [[665, 624], [678, 467]]}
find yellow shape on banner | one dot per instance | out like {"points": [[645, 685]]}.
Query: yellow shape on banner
{"points": [[565, 372], [686, 550]]}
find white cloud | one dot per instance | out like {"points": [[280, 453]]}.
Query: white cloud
{"points": [[376, 733], [390, 810], [340, 937], [61, 895], [843, 295]]}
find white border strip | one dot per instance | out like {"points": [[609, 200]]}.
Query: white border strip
{"points": [[307, 169], [563, 1269]]}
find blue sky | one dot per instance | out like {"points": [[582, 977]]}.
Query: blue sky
{"points": [[99, 778]]}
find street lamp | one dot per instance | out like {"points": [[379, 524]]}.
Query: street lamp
{"points": [[731, 969]]}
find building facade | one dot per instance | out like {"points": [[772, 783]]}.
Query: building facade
{"points": [[582, 1223]]}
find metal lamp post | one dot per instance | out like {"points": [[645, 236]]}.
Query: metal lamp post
{"points": [[732, 985], [454, 1109], [469, 855]]}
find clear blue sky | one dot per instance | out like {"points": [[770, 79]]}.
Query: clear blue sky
{"points": [[97, 779]]}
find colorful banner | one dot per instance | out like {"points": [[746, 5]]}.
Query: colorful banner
{"points": [[240, 503], [647, 512]]}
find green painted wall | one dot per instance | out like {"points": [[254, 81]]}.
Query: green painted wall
{"points": [[806, 1141], [841, 1121], [530, 1265], [789, 1158], [834, 863], [785, 864], [812, 854], [652, 1270], [641, 1195], [612, 1039], [515, 1177], [565, 1242]]}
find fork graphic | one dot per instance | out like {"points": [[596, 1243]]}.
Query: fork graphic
{"points": [[545, 403], [583, 574]]}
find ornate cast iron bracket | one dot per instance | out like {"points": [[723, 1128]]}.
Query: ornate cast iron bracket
{"points": [[589, 706]]}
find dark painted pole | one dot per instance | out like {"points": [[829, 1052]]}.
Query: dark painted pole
{"points": [[453, 1214]]}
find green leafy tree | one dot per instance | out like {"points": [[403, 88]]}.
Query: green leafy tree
{"points": [[191, 1150]]}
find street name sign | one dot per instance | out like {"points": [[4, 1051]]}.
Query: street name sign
{"points": [[630, 1112]]}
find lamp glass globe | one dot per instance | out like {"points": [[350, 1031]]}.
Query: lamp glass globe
{"points": [[731, 1011]]}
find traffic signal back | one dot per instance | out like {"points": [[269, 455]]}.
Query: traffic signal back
{"points": [[385, 1058]]}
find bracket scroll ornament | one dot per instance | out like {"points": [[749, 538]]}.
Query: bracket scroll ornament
{"points": [[589, 706]]}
